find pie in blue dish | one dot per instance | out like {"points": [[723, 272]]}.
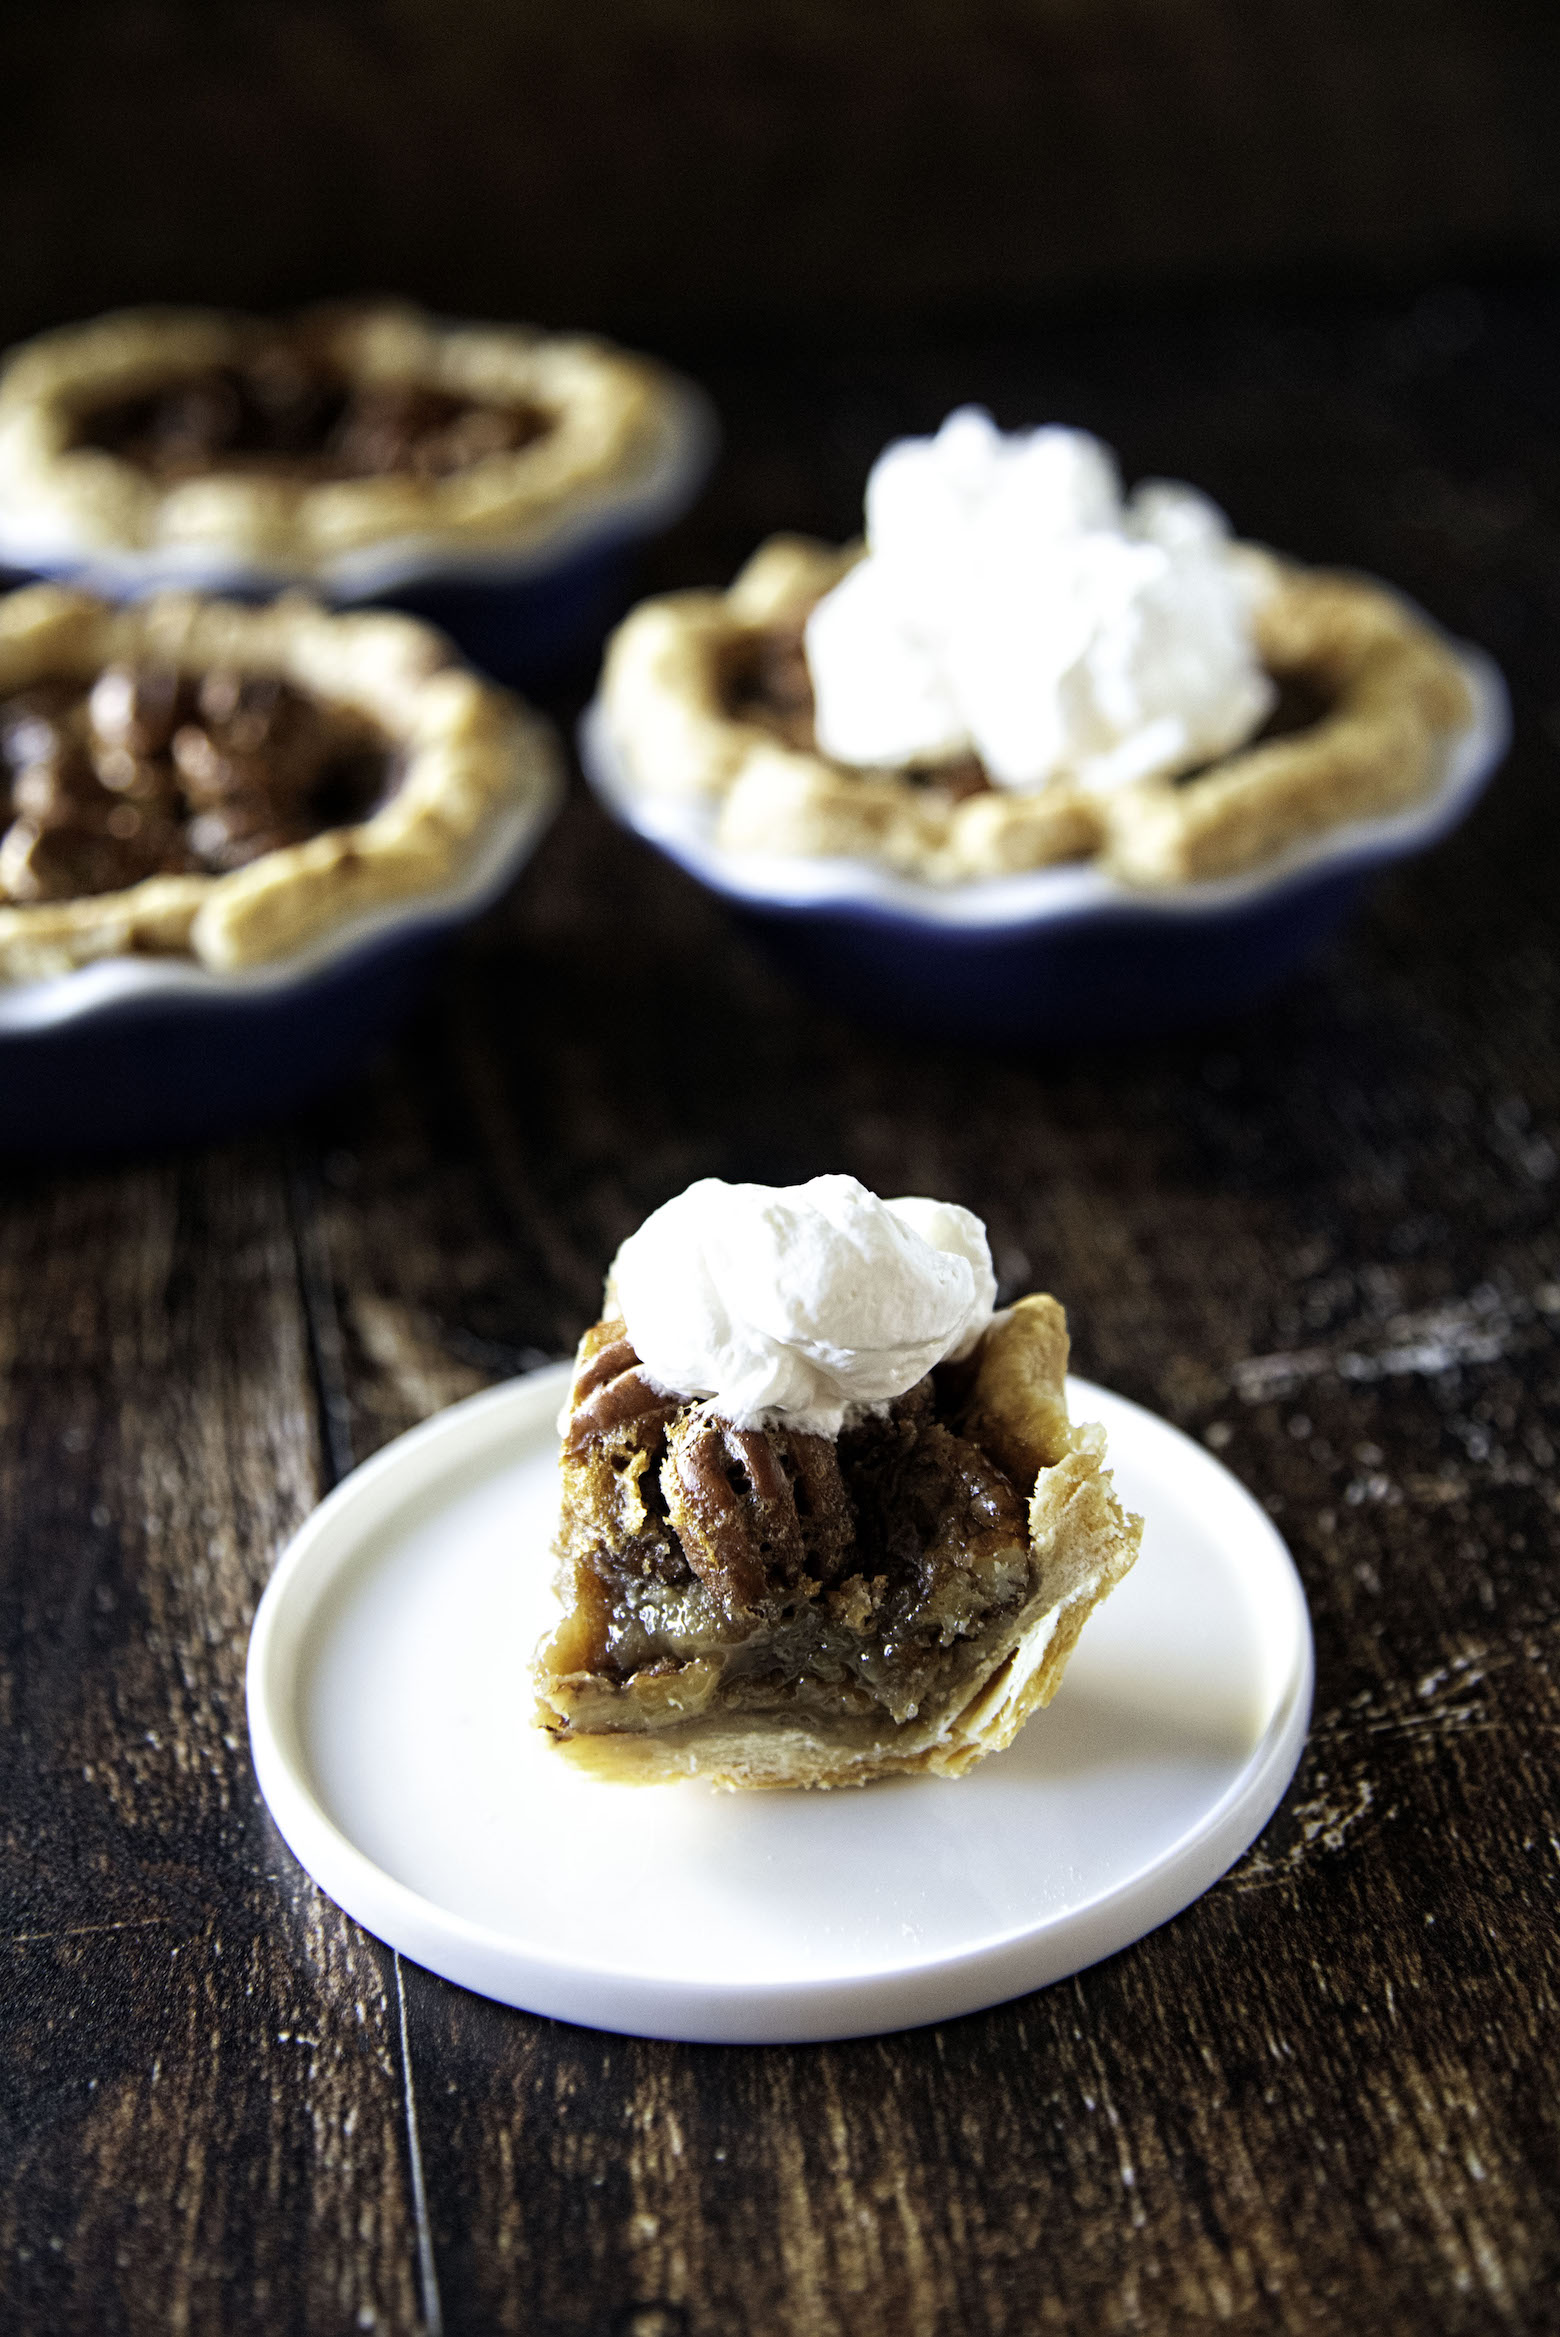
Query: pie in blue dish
{"points": [[231, 835], [489, 478]]}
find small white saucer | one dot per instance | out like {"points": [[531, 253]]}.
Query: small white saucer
{"points": [[390, 1716]]}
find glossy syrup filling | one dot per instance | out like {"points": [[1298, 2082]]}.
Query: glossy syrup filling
{"points": [[149, 772], [850, 1579]]}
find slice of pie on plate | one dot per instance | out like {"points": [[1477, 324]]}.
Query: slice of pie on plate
{"points": [[771, 1606]]}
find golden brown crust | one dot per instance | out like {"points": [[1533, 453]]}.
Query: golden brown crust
{"points": [[1017, 1405], [664, 704], [471, 755], [1081, 1542], [1393, 690], [610, 412]]}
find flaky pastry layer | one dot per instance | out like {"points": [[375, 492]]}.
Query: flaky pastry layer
{"points": [[1390, 689], [469, 754]]}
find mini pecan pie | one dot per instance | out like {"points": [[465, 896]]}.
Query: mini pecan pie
{"points": [[707, 696], [765, 1606], [187, 777], [290, 445]]}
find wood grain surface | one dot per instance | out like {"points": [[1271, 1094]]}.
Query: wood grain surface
{"points": [[1322, 1238]]}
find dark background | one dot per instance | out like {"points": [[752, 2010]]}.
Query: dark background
{"points": [[1304, 256], [683, 166]]}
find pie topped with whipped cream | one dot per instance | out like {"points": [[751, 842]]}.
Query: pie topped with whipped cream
{"points": [[835, 1563], [1018, 668], [205, 779], [291, 444]]}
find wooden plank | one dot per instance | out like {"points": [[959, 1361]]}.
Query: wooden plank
{"points": [[203, 2111]]}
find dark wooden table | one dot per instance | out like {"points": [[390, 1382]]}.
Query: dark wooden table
{"points": [[1322, 1238]]}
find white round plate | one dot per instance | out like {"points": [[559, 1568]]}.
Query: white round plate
{"points": [[390, 1716]]}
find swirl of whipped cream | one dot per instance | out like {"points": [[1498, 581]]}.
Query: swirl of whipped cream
{"points": [[803, 1304], [1011, 605]]}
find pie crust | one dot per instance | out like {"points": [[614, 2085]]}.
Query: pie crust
{"points": [[1386, 691], [469, 756], [608, 420], [686, 1653]]}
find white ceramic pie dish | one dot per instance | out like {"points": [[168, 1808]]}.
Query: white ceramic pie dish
{"points": [[1054, 954], [133, 1051]]}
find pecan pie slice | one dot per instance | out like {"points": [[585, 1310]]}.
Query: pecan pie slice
{"points": [[197, 778], [706, 696], [768, 1607]]}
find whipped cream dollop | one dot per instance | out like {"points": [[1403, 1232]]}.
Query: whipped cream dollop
{"points": [[1012, 605], [801, 1304]]}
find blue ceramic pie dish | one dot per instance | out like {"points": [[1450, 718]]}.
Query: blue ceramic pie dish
{"points": [[518, 612], [1055, 956], [131, 1052]]}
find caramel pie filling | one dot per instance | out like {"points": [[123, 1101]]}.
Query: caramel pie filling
{"points": [[287, 412], [149, 772], [779, 1572]]}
